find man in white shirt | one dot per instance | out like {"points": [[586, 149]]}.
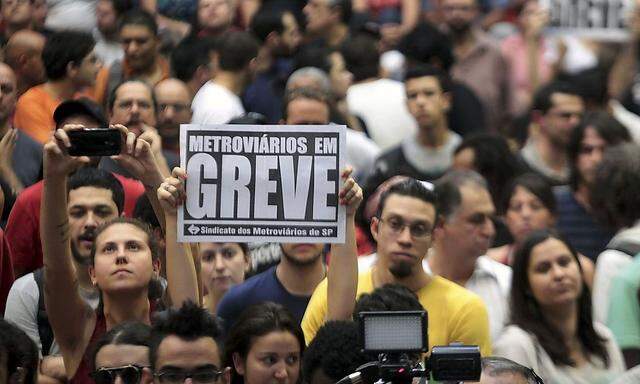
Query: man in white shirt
{"points": [[461, 240], [218, 100]]}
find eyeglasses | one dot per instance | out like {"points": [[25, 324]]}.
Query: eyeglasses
{"points": [[202, 376], [130, 374], [178, 107], [418, 231]]}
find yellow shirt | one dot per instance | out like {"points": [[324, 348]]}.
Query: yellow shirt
{"points": [[454, 314]]}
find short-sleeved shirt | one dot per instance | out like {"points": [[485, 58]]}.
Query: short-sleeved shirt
{"points": [[624, 307], [454, 313], [260, 288], [23, 228]]}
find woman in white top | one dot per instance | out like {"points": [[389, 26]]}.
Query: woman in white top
{"points": [[552, 329]]}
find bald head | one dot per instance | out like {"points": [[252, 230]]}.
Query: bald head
{"points": [[174, 108], [8, 89], [23, 53]]}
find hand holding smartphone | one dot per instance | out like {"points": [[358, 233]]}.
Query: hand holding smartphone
{"points": [[94, 142]]}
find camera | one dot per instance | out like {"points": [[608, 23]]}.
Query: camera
{"points": [[399, 340]]}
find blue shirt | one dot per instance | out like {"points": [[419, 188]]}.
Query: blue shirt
{"points": [[262, 287], [586, 235]]}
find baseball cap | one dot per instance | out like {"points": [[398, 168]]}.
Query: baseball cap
{"points": [[82, 106]]}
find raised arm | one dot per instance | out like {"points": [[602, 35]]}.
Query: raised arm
{"points": [[181, 270], [71, 318], [342, 276]]}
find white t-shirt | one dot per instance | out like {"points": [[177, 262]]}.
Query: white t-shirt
{"points": [[382, 106], [71, 14], [215, 104]]}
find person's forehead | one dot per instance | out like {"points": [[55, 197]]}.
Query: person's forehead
{"points": [[86, 120], [560, 99], [475, 198], [135, 30], [424, 82], [172, 91], [117, 355], [408, 207], [121, 232], [94, 195], [133, 91]]}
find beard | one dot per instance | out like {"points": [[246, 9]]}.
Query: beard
{"points": [[304, 262], [78, 257], [400, 270], [459, 28]]}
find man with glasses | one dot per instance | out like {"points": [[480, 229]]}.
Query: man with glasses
{"points": [[557, 110], [174, 108], [187, 343], [461, 239], [403, 228], [132, 104]]}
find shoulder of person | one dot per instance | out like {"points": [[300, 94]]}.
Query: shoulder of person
{"points": [[457, 297]]}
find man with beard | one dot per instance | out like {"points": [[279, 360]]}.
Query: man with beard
{"points": [[95, 197], [479, 64], [142, 60], [174, 108], [557, 110], [280, 37], [461, 239], [403, 228]]}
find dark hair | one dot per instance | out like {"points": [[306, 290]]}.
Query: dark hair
{"points": [[140, 18], [112, 96], [98, 178], [312, 55], [409, 187], [143, 211], [64, 48], [236, 50], [129, 333], [534, 184], [389, 297], [121, 6], [266, 20], [493, 160], [591, 85], [497, 366], [615, 193], [257, 321], [21, 352], [447, 189], [606, 126], [418, 71], [190, 54], [335, 351], [304, 93], [542, 98], [527, 314], [345, 9], [427, 45], [361, 56], [189, 323]]}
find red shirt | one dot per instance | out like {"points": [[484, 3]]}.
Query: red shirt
{"points": [[23, 226]]}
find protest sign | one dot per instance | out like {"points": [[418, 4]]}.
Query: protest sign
{"points": [[595, 19], [262, 183]]}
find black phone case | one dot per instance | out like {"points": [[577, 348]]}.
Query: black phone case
{"points": [[94, 142]]}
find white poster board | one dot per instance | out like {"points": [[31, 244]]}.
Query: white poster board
{"points": [[262, 183]]}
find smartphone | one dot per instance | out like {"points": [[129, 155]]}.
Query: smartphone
{"points": [[94, 142]]}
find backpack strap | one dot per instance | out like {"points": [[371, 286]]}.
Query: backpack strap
{"points": [[44, 328]]}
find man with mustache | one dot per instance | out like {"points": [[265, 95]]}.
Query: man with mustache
{"points": [[95, 196], [174, 108]]}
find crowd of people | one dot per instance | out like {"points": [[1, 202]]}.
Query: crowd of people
{"points": [[492, 180]]}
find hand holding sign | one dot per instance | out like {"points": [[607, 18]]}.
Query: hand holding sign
{"points": [[56, 159], [351, 193], [171, 192]]}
